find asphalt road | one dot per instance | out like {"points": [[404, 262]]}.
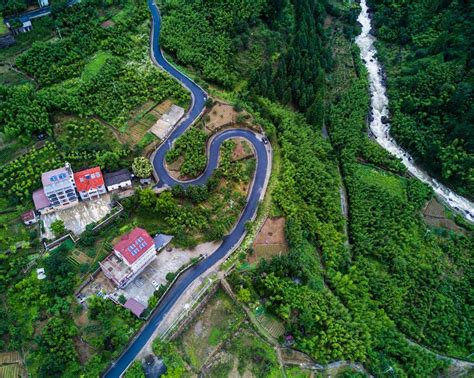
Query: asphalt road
{"points": [[198, 102]]}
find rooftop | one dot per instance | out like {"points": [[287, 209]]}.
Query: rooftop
{"points": [[117, 177], [40, 199], [88, 179], [115, 267], [136, 307], [57, 178], [134, 244], [29, 215], [162, 240]]}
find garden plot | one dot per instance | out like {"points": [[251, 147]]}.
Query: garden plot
{"points": [[271, 324], [245, 354], [142, 120], [435, 216], [80, 257], [270, 241], [78, 217], [219, 320]]}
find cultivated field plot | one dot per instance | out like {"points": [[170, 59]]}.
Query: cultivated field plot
{"points": [[141, 120], [218, 321], [80, 257], [9, 358], [435, 216], [270, 241], [271, 324], [245, 354], [10, 371], [11, 365]]}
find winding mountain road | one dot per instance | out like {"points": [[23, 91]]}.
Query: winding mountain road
{"points": [[230, 241]]}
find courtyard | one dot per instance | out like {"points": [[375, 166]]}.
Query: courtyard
{"points": [[141, 289], [76, 218]]}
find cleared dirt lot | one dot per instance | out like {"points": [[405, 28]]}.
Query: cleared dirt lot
{"points": [[219, 116], [435, 216], [270, 241]]}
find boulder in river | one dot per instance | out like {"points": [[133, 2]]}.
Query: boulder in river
{"points": [[370, 117], [385, 120]]}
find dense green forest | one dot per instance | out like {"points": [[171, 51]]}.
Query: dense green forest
{"points": [[222, 41], [398, 279], [427, 49]]}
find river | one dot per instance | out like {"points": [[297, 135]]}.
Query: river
{"points": [[381, 131]]}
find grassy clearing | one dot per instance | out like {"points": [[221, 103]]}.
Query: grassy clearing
{"points": [[296, 372], [8, 76], [245, 355], [3, 28], [11, 150], [389, 182], [215, 324], [12, 229], [95, 64]]}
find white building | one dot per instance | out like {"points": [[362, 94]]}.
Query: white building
{"points": [[59, 187]]}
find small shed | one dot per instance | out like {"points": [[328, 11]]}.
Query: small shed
{"points": [[29, 217], [135, 307], [117, 180], [162, 240]]}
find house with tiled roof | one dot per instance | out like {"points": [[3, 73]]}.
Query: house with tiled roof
{"points": [[118, 179], [131, 255], [29, 218], [90, 183]]}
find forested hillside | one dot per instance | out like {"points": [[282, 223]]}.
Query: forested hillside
{"points": [[427, 49], [208, 37], [397, 279], [354, 288]]}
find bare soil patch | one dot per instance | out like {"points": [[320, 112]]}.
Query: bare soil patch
{"points": [[270, 241], [174, 167], [242, 149], [435, 216], [84, 351], [219, 116], [99, 284], [293, 357]]}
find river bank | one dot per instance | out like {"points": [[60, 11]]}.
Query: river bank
{"points": [[379, 117]]}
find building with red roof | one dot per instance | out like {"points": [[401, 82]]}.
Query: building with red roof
{"points": [[131, 255], [29, 217], [90, 183]]}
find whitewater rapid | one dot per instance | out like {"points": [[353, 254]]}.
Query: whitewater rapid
{"points": [[381, 131]]}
